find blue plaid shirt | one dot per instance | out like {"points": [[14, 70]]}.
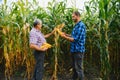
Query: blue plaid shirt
{"points": [[79, 34]]}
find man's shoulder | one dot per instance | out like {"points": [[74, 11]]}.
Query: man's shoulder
{"points": [[32, 31], [81, 23]]}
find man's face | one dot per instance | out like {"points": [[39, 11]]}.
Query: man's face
{"points": [[39, 26], [74, 18]]}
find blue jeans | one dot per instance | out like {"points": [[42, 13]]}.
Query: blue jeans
{"points": [[77, 66], [39, 66]]}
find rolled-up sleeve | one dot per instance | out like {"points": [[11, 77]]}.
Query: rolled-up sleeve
{"points": [[33, 38]]}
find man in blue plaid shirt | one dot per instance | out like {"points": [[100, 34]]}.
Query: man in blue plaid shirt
{"points": [[77, 48]]}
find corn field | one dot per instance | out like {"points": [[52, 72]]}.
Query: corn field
{"points": [[102, 56]]}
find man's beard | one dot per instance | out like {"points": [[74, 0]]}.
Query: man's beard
{"points": [[75, 20]]}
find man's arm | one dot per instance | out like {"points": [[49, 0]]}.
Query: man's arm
{"points": [[67, 37], [80, 31], [33, 46], [49, 34]]}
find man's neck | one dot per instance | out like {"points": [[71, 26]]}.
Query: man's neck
{"points": [[78, 21], [37, 28]]}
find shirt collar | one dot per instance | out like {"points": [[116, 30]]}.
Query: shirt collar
{"points": [[77, 23], [36, 30]]}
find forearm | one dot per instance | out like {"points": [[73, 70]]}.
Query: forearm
{"points": [[69, 38], [68, 35], [47, 35], [35, 47]]}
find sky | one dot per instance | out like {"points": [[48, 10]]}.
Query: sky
{"points": [[43, 3]]}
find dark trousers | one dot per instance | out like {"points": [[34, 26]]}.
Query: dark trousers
{"points": [[77, 66], [39, 66]]}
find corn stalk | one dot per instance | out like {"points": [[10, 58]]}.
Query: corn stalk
{"points": [[56, 56], [104, 13], [6, 56], [105, 64]]}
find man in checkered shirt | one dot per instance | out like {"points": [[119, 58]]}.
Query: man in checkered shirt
{"points": [[77, 48], [37, 39]]}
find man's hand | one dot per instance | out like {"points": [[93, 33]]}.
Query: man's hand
{"points": [[33, 46], [63, 35], [43, 49], [67, 37], [53, 31]]}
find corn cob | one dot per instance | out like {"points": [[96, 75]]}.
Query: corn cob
{"points": [[59, 31], [4, 31], [45, 45], [60, 26]]}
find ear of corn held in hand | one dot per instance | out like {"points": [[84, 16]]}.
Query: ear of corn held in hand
{"points": [[46, 45], [59, 29]]}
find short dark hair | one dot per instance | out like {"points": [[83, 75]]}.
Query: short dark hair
{"points": [[36, 22], [77, 13]]}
